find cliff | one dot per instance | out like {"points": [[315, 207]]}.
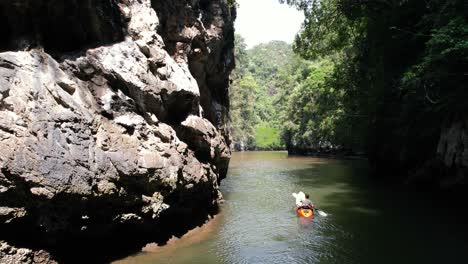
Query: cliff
{"points": [[113, 122], [448, 168]]}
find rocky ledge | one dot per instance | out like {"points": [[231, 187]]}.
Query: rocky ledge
{"points": [[113, 123]]}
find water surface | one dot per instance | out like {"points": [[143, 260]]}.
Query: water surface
{"points": [[367, 222]]}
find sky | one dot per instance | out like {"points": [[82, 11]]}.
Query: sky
{"points": [[260, 21]]}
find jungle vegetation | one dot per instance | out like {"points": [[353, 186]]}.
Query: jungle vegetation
{"points": [[379, 77]]}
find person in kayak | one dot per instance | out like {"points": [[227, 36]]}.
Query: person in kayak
{"points": [[306, 203]]}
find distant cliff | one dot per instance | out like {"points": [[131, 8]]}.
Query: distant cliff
{"points": [[113, 122]]}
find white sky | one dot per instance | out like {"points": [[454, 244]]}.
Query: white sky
{"points": [[260, 21]]}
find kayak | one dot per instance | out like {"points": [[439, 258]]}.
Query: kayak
{"points": [[305, 212]]}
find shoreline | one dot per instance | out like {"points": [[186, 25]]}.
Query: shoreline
{"points": [[190, 238], [312, 155]]}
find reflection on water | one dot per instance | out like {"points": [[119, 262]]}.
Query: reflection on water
{"points": [[367, 223]]}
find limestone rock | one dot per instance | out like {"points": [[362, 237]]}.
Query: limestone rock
{"points": [[113, 116], [10, 254], [448, 170], [452, 144]]}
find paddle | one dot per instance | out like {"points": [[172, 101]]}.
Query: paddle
{"points": [[320, 212], [300, 196]]}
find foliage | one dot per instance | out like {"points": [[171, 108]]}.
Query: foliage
{"points": [[258, 82], [377, 76], [280, 100], [267, 137], [232, 3], [241, 93], [313, 109], [399, 72]]}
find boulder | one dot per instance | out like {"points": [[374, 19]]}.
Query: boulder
{"points": [[111, 121]]}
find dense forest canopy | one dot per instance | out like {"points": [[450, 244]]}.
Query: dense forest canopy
{"points": [[279, 100], [401, 67], [383, 77], [256, 91]]}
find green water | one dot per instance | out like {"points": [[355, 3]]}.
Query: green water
{"points": [[367, 222]]}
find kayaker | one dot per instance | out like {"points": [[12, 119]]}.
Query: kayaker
{"points": [[307, 203]]}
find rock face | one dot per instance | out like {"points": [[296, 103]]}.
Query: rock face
{"points": [[452, 145], [113, 120], [448, 170], [9, 254]]}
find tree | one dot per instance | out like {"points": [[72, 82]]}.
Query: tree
{"points": [[241, 91], [400, 69]]}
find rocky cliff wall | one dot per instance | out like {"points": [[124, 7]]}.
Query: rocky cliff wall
{"points": [[113, 121], [448, 169]]}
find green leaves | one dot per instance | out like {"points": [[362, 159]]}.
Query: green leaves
{"points": [[399, 70], [268, 137], [242, 89], [379, 76], [261, 84], [314, 109]]}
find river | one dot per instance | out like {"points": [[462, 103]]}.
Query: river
{"points": [[368, 222]]}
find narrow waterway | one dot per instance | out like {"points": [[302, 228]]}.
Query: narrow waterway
{"points": [[367, 222]]}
